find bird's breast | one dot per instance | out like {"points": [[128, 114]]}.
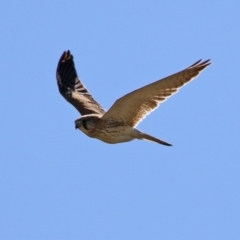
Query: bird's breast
{"points": [[113, 132]]}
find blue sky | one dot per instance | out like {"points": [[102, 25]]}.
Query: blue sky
{"points": [[56, 183]]}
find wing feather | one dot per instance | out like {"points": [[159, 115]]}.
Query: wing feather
{"points": [[72, 89], [135, 106]]}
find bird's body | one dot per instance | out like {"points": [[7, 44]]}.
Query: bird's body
{"points": [[109, 131], [118, 123]]}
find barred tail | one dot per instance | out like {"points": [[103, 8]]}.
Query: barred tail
{"points": [[145, 136]]}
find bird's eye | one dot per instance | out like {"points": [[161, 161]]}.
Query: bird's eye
{"points": [[84, 123]]}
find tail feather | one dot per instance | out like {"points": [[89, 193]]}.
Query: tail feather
{"points": [[153, 139]]}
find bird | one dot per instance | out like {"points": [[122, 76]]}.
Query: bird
{"points": [[118, 124]]}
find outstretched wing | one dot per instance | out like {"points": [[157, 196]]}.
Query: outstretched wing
{"points": [[134, 107], [72, 89]]}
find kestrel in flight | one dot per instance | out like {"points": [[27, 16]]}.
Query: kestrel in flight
{"points": [[118, 123]]}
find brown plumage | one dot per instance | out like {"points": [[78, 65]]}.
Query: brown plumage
{"points": [[117, 124], [72, 89]]}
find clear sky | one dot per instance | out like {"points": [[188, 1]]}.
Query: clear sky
{"points": [[56, 183]]}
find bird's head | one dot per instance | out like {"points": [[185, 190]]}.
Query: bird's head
{"points": [[86, 123]]}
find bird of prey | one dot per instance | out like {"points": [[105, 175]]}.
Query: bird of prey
{"points": [[118, 123]]}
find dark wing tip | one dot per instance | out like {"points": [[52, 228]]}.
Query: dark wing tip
{"points": [[66, 74], [72, 89], [199, 63], [65, 57]]}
